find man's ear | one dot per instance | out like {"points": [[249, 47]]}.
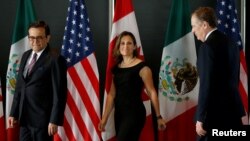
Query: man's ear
{"points": [[205, 24], [48, 38]]}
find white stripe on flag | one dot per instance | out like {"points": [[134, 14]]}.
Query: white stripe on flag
{"points": [[126, 23], [147, 105], [18, 49], [171, 108]]}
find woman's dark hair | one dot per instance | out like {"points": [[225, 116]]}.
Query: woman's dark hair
{"points": [[116, 52]]}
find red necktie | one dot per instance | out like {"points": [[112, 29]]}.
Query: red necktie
{"points": [[33, 61]]}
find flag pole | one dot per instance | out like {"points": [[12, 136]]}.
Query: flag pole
{"points": [[111, 15], [243, 23]]}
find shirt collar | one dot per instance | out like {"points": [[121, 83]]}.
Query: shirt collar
{"points": [[210, 33], [38, 53]]}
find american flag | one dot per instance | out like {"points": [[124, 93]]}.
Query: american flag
{"points": [[82, 112], [229, 24]]}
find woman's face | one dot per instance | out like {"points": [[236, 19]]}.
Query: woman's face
{"points": [[127, 46]]}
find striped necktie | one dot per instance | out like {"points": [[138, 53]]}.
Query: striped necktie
{"points": [[32, 63]]}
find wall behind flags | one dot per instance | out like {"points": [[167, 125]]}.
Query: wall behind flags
{"points": [[151, 15]]}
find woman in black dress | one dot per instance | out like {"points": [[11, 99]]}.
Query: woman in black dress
{"points": [[130, 75]]}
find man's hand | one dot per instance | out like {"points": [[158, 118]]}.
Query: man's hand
{"points": [[199, 129], [52, 129], [11, 122]]}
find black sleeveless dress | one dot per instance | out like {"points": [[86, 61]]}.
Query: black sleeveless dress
{"points": [[130, 113]]}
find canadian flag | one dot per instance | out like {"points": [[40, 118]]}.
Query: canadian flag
{"points": [[125, 20]]}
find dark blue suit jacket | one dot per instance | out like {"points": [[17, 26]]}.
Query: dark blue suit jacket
{"points": [[219, 102], [40, 98]]}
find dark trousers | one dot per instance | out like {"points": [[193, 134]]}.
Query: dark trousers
{"points": [[28, 133]]}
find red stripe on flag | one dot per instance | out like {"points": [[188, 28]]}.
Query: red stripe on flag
{"points": [[146, 134], [78, 118], [2, 127], [123, 10], [243, 61], [84, 96], [144, 96], [57, 137], [13, 134]]}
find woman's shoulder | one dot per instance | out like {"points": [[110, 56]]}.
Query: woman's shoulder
{"points": [[139, 63]]}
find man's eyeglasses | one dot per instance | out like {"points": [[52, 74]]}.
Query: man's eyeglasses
{"points": [[38, 38]]}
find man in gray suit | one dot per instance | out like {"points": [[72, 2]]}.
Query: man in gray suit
{"points": [[40, 95], [219, 102]]}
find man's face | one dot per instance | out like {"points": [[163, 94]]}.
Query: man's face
{"points": [[37, 39], [198, 28]]}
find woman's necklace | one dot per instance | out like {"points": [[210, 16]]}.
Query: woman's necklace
{"points": [[128, 63]]}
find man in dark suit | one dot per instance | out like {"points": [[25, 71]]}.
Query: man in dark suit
{"points": [[40, 95], [219, 102]]}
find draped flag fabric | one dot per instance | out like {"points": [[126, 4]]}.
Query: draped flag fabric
{"points": [[24, 16], [124, 19], [229, 24], [82, 112], [2, 126], [178, 77]]}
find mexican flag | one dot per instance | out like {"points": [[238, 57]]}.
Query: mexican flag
{"points": [[178, 77], [24, 16], [124, 19]]}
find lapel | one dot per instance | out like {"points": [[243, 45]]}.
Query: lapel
{"points": [[40, 61], [24, 61]]}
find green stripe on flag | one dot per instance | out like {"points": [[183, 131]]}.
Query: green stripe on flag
{"points": [[24, 16], [179, 21]]}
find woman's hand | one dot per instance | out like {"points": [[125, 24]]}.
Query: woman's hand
{"points": [[101, 125], [161, 123]]}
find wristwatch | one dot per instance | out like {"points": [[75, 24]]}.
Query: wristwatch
{"points": [[159, 117]]}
